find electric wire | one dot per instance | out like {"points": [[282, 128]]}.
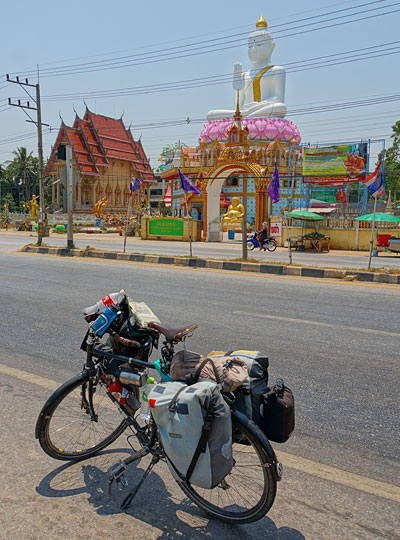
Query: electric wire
{"points": [[155, 56]]}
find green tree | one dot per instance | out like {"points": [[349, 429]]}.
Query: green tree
{"points": [[8, 199], [22, 172], [392, 161], [167, 155]]}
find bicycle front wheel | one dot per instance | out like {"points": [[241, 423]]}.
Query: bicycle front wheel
{"points": [[248, 491], [79, 420]]}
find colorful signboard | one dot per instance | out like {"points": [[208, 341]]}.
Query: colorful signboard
{"points": [[166, 227], [330, 164]]}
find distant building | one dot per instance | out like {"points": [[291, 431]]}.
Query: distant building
{"points": [[105, 158], [157, 193]]}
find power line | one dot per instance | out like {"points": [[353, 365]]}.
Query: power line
{"points": [[322, 61], [163, 54]]}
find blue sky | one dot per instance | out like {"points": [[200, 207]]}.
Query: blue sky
{"points": [[90, 33]]}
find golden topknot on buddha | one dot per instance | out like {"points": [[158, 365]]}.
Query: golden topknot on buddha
{"points": [[261, 88]]}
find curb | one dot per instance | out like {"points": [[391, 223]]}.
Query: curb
{"points": [[257, 268]]}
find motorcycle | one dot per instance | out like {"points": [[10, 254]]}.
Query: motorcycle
{"points": [[268, 243]]}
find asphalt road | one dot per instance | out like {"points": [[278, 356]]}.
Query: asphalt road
{"points": [[335, 344], [222, 250]]}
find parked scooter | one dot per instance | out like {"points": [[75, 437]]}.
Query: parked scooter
{"points": [[268, 243]]}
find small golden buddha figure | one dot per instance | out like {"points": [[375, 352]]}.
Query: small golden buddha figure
{"points": [[34, 207], [235, 212]]}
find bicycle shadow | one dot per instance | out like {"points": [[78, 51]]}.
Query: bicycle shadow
{"points": [[163, 507]]}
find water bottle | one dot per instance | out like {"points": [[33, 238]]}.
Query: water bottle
{"points": [[110, 300], [145, 406]]}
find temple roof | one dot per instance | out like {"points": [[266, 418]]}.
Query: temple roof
{"points": [[96, 139]]}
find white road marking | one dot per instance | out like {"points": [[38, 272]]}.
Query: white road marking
{"points": [[332, 474], [317, 323]]}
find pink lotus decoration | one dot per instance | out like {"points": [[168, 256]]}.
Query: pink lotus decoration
{"points": [[260, 129]]}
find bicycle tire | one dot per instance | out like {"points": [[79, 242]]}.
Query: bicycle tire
{"points": [[56, 429], [271, 245], [249, 480]]}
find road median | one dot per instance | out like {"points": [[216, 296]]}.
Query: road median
{"points": [[233, 266]]}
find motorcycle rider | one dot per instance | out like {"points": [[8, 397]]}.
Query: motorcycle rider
{"points": [[262, 235]]}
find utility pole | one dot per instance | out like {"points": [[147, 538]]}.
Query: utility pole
{"points": [[38, 123], [70, 230]]}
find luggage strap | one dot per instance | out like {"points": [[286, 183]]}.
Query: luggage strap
{"points": [[174, 400], [194, 378], [202, 444]]}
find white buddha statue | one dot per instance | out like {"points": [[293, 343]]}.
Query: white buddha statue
{"points": [[261, 89]]}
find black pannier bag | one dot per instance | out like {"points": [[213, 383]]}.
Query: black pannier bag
{"points": [[277, 413]]}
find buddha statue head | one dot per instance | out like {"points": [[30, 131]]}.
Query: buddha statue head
{"points": [[260, 45]]}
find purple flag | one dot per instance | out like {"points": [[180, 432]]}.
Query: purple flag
{"points": [[273, 186], [187, 184]]}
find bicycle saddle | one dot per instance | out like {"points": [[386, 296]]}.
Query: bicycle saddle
{"points": [[173, 334]]}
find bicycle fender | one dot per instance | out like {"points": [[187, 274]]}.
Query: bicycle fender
{"points": [[83, 376], [276, 466]]}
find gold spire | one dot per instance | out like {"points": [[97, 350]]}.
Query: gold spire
{"points": [[261, 23]]}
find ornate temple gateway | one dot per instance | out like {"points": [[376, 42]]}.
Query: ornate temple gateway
{"points": [[105, 157], [238, 150]]}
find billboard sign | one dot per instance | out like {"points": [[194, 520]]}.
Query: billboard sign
{"points": [[166, 227], [338, 163]]}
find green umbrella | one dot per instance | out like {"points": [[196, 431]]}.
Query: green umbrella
{"points": [[304, 214], [379, 216]]}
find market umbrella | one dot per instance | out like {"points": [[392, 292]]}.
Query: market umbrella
{"points": [[304, 215], [379, 216], [376, 217]]}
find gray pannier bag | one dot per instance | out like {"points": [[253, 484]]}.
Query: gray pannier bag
{"points": [[249, 396], [190, 367], [196, 431]]}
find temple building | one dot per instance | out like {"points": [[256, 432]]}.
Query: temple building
{"points": [[105, 157]]}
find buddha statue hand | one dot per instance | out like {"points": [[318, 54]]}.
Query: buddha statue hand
{"points": [[238, 78]]}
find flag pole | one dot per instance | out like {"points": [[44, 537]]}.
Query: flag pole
{"points": [[188, 218], [127, 220], [371, 242]]}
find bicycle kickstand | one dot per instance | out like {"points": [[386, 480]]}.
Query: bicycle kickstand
{"points": [[116, 473], [128, 499]]}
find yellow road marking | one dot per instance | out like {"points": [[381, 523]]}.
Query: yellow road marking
{"points": [[318, 323], [216, 270], [325, 472], [344, 478]]}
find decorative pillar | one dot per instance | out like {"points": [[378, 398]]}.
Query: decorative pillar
{"points": [[58, 194], [79, 197], [261, 203], [94, 194], [53, 193]]}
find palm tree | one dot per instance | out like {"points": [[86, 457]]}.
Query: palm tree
{"points": [[23, 170]]}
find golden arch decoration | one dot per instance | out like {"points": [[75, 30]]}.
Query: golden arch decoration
{"points": [[212, 190]]}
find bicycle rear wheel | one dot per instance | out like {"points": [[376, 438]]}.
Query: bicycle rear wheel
{"points": [[65, 427], [248, 491]]}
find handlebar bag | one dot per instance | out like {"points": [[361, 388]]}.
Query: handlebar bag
{"points": [[195, 429], [277, 413]]}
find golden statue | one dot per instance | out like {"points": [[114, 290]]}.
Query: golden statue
{"points": [[33, 207], [235, 212], [98, 208]]}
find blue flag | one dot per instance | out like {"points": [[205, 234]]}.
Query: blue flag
{"points": [[187, 184], [135, 184]]}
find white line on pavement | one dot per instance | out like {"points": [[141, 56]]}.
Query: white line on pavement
{"points": [[317, 323]]}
